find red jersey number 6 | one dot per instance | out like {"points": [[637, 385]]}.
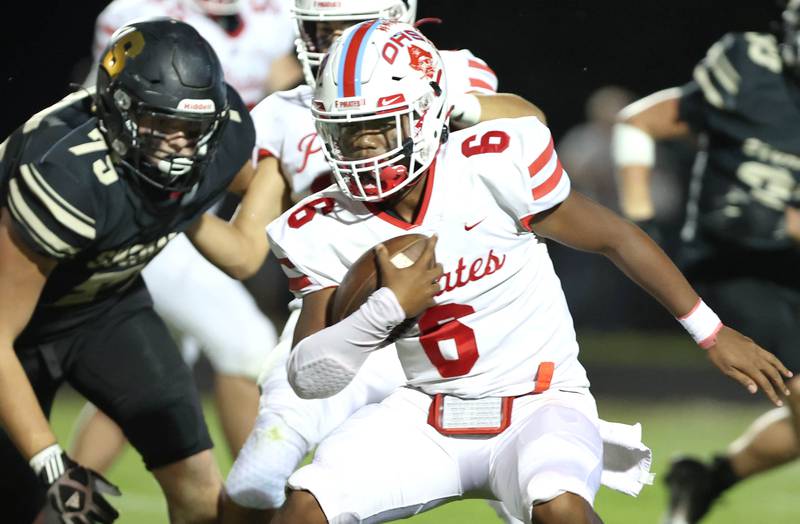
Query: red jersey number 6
{"points": [[490, 142], [440, 323], [303, 215]]}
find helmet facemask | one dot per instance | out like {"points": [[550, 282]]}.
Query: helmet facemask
{"points": [[376, 155], [161, 103], [166, 149]]}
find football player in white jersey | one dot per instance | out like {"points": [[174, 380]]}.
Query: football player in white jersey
{"points": [[210, 312], [254, 39], [290, 155], [496, 404]]}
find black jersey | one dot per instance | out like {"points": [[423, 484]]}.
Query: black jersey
{"points": [[747, 111], [69, 201]]}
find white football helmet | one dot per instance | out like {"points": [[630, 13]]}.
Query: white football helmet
{"points": [[384, 82], [218, 7], [314, 40]]}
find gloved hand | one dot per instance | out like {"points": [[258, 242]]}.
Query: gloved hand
{"points": [[75, 494]]}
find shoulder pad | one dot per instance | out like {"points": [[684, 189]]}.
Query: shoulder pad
{"points": [[467, 73], [54, 205], [516, 158]]}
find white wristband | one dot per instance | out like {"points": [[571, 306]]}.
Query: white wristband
{"points": [[49, 460], [466, 110], [631, 146], [702, 324]]}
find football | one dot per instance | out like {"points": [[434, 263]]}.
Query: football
{"points": [[361, 279]]}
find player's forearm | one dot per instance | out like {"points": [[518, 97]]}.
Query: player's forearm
{"points": [[323, 363], [239, 254], [239, 247], [508, 105], [655, 117], [636, 201], [469, 108], [583, 224], [640, 258], [20, 413], [285, 73]]}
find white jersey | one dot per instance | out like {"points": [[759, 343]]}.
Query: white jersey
{"points": [[267, 33], [501, 312], [285, 127]]}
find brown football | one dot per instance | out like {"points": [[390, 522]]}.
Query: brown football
{"points": [[361, 279]]}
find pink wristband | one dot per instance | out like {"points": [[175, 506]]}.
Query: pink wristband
{"points": [[702, 324]]}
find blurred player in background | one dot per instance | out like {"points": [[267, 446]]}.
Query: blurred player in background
{"points": [[209, 312], [585, 152], [254, 39], [92, 189], [496, 404], [741, 240], [290, 154]]}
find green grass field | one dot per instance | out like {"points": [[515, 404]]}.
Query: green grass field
{"points": [[700, 427]]}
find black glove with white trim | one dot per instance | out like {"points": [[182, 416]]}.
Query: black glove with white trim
{"points": [[75, 495]]}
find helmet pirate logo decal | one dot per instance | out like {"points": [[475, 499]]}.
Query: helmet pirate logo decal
{"points": [[421, 60], [128, 44]]}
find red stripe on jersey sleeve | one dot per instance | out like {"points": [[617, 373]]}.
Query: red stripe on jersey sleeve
{"points": [[298, 283], [481, 66], [542, 159], [548, 185], [477, 82], [286, 262], [263, 153]]}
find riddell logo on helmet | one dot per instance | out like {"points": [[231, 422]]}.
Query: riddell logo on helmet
{"points": [[327, 4], [196, 105], [348, 103]]}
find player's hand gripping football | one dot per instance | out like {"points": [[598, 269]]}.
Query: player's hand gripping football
{"points": [[745, 361], [77, 496], [416, 285]]}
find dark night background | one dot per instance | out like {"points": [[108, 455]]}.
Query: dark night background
{"points": [[552, 52]]}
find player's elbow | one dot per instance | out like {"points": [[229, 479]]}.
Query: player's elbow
{"points": [[240, 272], [321, 378], [624, 237], [250, 264]]}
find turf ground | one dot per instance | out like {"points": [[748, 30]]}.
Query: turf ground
{"points": [[668, 428]]}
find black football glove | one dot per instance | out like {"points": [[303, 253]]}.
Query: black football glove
{"points": [[76, 496]]}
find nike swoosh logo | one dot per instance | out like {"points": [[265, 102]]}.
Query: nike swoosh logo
{"points": [[473, 226]]}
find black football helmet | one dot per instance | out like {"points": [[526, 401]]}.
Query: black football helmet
{"points": [[158, 78], [790, 45]]}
